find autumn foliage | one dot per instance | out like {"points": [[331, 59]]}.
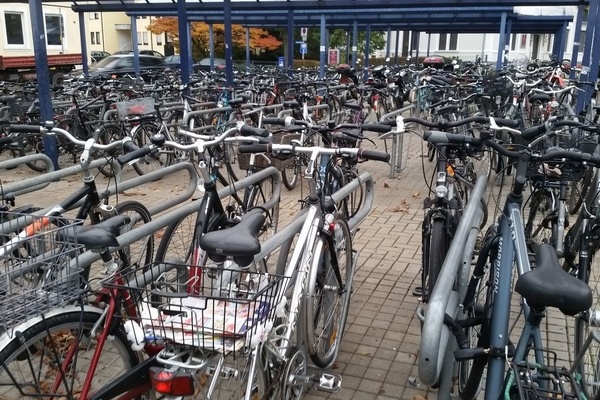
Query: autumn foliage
{"points": [[259, 38]]}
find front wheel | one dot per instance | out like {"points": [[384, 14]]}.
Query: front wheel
{"points": [[327, 295], [51, 358], [435, 246], [140, 252], [158, 158], [290, 174]]}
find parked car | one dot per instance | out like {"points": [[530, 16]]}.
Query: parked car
{"points": [[122, 64], [98, 56], [174, 61], [204, 64], [144, 52]]}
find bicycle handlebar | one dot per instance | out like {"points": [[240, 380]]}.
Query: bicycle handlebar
{"points": [[359, 153]]}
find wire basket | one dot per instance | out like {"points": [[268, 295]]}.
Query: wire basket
{"points": [[495, 85], [140, 106], [38, 266], [219, 316], [262, 161]]}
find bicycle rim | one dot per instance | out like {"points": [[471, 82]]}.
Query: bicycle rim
{"points": [[33, 362], [326, 300]]}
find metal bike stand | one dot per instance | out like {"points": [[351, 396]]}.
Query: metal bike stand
{"points": [[398, 152], [446, 297], [15, 162]]}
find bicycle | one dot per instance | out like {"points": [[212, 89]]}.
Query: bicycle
{"points": [[486, 305]]}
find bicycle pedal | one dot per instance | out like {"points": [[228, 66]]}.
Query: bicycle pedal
{"points": [[418, 291], [328, 382]]}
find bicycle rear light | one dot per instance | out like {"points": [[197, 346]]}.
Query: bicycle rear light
{"points": [[174, 383]]}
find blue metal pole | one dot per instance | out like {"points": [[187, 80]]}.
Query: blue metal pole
{"points": [[211, 47], [354, 42], [134, 42], [388, 44], [323, 55], [43, 75], [228, 42], [561, 45], [247, 49], [367, 51], [591, 55], [417, 43], [507, 41], [397, 45], [291, 44], [83, 41], [501, 44], [347, 46], [184, 44], [576, 39]]}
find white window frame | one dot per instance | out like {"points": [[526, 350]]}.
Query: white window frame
{"points": [[145, 38], [98, 41], [63, 44], [25, 28], [159, 39]]}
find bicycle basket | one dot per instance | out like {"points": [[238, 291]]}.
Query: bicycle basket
{"points": [[263, 161], [140, 106], [494, 86], [217, 317], [38, 266]]}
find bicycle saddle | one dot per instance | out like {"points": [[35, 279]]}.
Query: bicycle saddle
{"points": [[543, 97], [239, 241], [548, 285], [99, 236]]}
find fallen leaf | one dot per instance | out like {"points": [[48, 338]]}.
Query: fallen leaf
{"points": [[419, 397], [416, 194], [399, 209], [385, 185], [404, 202]]}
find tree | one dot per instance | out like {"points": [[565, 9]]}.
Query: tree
{"points": [[259, 38], [337, 39]]}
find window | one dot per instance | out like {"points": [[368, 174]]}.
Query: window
{"points": [[54, 29], [14, 28], [453, 42], [513, 42], [139, 37], [96, 15], [523, 41], [159, 40], [93, 37], [145, 36]]}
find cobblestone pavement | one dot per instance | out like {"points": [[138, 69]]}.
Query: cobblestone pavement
{"points": [[378, 357]]}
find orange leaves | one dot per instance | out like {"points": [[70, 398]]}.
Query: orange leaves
{"points": [[259, 38]]}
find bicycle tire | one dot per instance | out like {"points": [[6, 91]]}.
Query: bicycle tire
{"points": [[257, 195], [56, 335], [177, 240], [141, 135], [326, 304], [579, 190], [470, 372], [290, 174], [109, 133], [589, 366], [434, 253], [137, 253], [542, 222]]}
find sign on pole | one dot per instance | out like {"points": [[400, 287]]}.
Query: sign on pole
{"points": [[304, 33], [303, 49], [281, 62]]}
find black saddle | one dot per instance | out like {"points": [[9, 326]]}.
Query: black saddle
{"points": [[99, 236]]}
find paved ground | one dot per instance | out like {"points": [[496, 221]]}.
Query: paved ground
{"points": [[378, 358]]}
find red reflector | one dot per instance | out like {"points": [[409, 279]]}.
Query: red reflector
{"points": [[174, 383]]}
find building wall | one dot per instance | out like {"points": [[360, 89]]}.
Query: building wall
{"points": [[70, 30]]}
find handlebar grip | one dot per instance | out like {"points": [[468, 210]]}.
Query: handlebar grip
{"points": [[253, 148], [379, 128], [509, 123], [441, 138], [25, 128], [531, 133], [374, 155], [133, 152], [246, 130], [274, 121]]}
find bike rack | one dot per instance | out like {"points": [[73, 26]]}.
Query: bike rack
{"points": [[41, 181], [289, 111], [436, 357], [115, 188], [165, 220], [399, 152]]}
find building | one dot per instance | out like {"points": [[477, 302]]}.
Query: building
{"points": [[62, 29], [468, 47]]}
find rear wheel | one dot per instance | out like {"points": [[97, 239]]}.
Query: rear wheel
{"points": [[35, 360], [141, 252], [158, 158], [579, 190], [542, 222]]}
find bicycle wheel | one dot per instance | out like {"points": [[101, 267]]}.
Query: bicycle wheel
{"points": [[154, 161], [579, 190], [477, 306], [541, 226], [290, 174], [108, 134], [327, 298], [585, 324], [257, 195], [176, 241], [435, 246], [140, 252], [34, 361]]}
